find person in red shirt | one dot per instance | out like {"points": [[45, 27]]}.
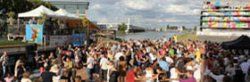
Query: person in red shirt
{"points": [[130, 77]]}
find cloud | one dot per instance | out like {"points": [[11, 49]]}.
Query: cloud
{"points": [[176, 9], [96, 7], [185, 9], [138, 4], [146, 13], [169, 20]]}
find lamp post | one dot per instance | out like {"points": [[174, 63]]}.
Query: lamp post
{"points": [[88, 34], [87, 24]]}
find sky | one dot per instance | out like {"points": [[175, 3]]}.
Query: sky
{"points": [[147, 13]]}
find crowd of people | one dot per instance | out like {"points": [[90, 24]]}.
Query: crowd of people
{"points": [[134, 61]]}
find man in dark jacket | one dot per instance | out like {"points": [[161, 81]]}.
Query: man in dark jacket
{"points": [[47, 75]]}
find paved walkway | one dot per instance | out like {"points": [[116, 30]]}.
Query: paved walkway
{"points": [[20, 50]]}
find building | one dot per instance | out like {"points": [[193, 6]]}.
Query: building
{"points": [[114, 26], [224, 19], [102, 26], [78, 7], [108, 26], [134, 29]]}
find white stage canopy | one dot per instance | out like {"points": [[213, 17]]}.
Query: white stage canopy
{"points": [[66, 14], [38, 12]]}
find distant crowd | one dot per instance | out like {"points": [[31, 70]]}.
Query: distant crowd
{"points": [[164, 60]]}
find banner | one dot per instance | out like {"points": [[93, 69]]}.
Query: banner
{"points": [[59, 40], [78, 39], [34, 33]]}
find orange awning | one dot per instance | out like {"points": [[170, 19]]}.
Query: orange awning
{"points": [[86, 22]]}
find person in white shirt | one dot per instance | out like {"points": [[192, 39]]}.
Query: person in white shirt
{"points": [[149, 74], [197, 72], [230, 69], [245, 67], [226, 61], [174, 74], [242, 58], [104, 67], [218, 78], [55, 69], [169, 60], [4, 61], [90, 65], [118, 55], [152, 57]]}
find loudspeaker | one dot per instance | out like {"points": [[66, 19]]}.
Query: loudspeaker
{"points": [[30, 54], [31, 48]]}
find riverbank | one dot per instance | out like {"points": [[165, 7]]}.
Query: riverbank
{"points": [[193, 36], [187, 36], [148, 35], [7, 44]]}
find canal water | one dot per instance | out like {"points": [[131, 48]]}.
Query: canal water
{"points": [[149, 35]]}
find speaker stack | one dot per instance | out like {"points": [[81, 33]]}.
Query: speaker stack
{"points": [[30, 54]]}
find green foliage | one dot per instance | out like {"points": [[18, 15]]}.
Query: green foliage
{"points": [[36, 1], [19, 6], [195, 28], [172, 27], [184, 28], [85, 21], [42, 19], [11, 8], [3, 25], [11, 14], [122, 27]]}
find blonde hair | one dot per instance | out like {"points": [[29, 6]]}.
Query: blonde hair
{"points": [[26, 75]]}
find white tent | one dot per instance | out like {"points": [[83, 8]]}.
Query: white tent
{"points": [[66, 14], [38, 12]]}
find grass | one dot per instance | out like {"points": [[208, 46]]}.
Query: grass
{"points": [[120, 33], [186, 36], [6, 43]]}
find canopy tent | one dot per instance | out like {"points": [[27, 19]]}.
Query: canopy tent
{"points": [[38, 12], [243, 42], [66, 14]]}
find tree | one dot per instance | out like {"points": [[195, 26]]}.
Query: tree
{"points": [[195, 28], [18, 6], [42, 19], [122, 27], [3, 25], [184, 28], [11, 14], [85, 21], [11, 8], [11, 19]]}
